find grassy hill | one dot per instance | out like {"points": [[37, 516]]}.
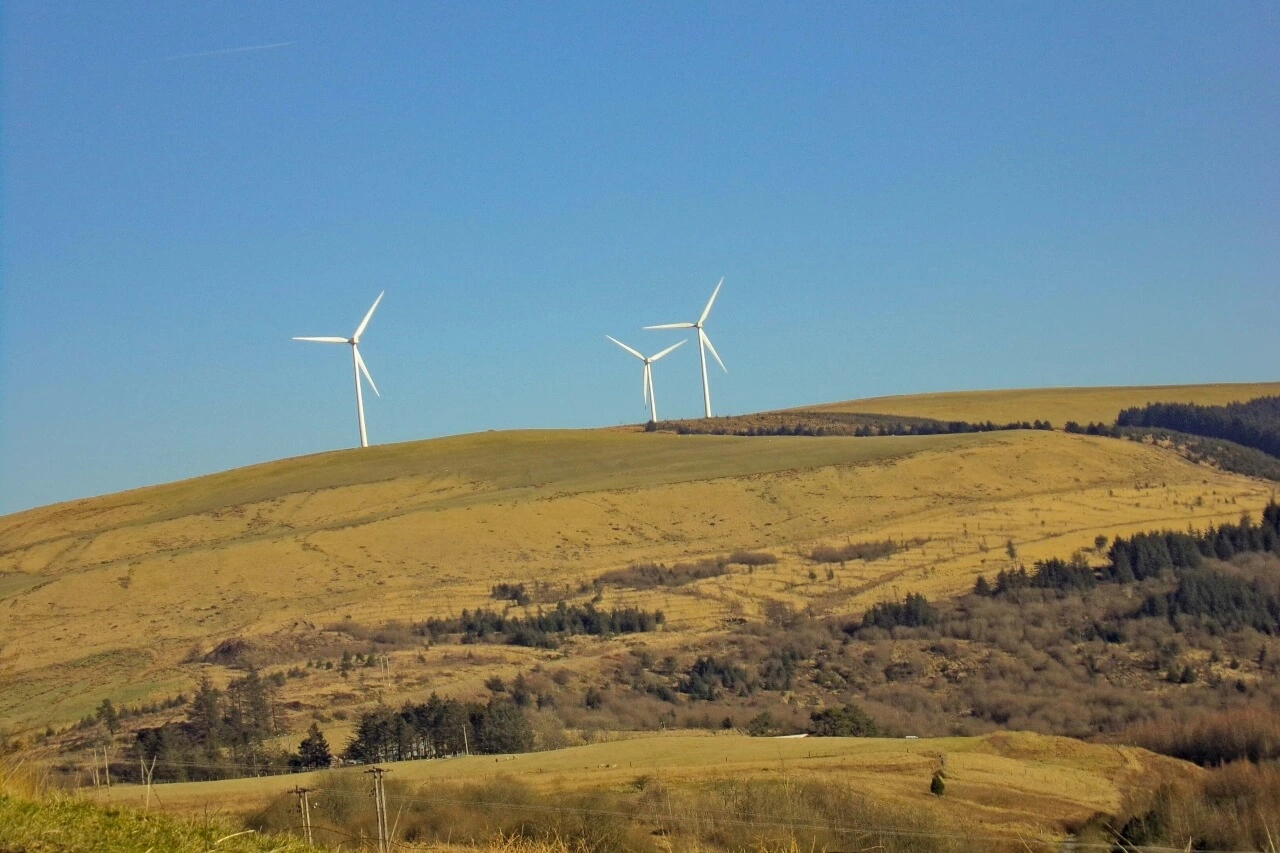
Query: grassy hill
{"points": [[1056, 405], [121, 596], [1004, 786], [292, 564]]}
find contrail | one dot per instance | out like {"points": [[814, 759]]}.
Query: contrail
{"points": [[204, 53]]}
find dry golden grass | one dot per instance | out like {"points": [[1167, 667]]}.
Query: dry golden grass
{"points": [[1009, 784], [1056, 405], [107, 596]]}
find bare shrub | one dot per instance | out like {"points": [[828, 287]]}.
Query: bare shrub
{"points": [[853, 551], [751, 558], [1251, 734], [650, 575]]}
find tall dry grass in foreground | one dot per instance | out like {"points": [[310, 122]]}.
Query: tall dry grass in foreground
{"points": [[36, 819], [650, 817]]}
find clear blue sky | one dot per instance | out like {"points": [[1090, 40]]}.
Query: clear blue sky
{"points": [[901, 197]]}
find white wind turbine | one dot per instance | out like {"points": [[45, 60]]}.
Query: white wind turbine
{"points": [[704, 344], [357, 363], [648, 374]]}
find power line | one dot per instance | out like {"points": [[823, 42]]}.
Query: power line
{"points": [[704, 817], [745, 819]]}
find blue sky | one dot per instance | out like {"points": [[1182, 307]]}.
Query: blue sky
{"points": [[901, 197]]}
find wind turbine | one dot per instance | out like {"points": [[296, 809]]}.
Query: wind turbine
{"points": [[704, 344], [357, 363], [648, 374]]}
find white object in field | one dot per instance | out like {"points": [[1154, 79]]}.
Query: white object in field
{"points": [[704, 344], [648, 373], [357, 363]]}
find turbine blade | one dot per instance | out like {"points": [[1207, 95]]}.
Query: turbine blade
{"points": [[668, 349], [625, 347], [365, 321], [365, 370], [648, 379], [673, 326], [325, 340], [707, 343], [707, 310]]}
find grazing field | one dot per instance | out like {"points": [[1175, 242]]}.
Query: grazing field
{"points": [[1056, 405], [125, 596], [1011, 785]]}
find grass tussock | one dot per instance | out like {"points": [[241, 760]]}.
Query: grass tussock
{"points": [[21, 779]]}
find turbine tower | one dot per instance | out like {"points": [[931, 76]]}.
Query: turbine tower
{"points": [[651, 400], [357, 363], [704, 344]]}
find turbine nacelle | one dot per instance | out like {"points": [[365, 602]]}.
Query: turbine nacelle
{"points": [[648, 396], [704, 344], [358, 366]]}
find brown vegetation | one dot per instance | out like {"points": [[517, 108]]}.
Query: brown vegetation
{"points": [[646, 817]]}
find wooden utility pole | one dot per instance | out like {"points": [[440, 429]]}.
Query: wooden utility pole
{"points": [[147, 773], [380, 805], [305, 807]]}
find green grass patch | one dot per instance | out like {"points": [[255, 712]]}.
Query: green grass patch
{"points": [[86, 827], [17, 582]]}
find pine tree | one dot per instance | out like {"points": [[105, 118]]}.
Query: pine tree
{"points": [[206, 715], [313, 751], [108, 716]]}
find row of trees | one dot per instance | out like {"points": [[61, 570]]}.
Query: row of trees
{"points": [[1216, 600], [440, 727], [821, 426], [843, 721], [912, 612], [544, 629], [1109, 430], [1145, 555], [1255, 423], [222, 734]]}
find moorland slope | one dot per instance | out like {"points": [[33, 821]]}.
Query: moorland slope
{"points": [[125, 596], [1056, 405]]}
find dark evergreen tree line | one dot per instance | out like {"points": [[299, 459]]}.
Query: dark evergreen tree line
{"points": [[1255, 423], [1046, 574], [1109, 430], [912, 612], [846, 721], [865, 430], [440, 727], [708, 679], [1145, 555], [1217, 601], [222, 734], [543, 629]]}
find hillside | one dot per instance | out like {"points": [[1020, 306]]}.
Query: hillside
{"points": [[124, 596], [1003, 786], [1056, 405]]}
